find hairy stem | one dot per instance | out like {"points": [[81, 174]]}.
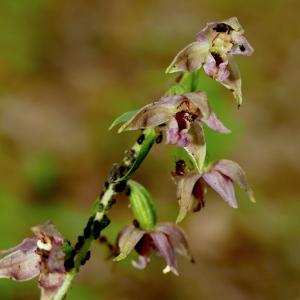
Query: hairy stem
{"points": [[115, 183]]}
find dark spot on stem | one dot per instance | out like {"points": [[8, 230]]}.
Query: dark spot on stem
{"points": [[136, 223], [123, 169], [111, 203], [69, 262], [114, 173], [100, 225], [141, 139], [120, 186], [88, 228], [159, 138], [127, 191], [87, 257], [80, 242]]}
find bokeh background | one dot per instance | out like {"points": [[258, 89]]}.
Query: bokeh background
{"points": [[68, 68]]}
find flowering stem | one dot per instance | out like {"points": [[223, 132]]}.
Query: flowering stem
{"points": [[98, 221]]}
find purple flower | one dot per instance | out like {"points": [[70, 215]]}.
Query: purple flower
{"points": [[182, 115], [40, 256], [220, 177], [214, 49], [165, 240]]}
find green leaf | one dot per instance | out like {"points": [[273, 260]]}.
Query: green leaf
{"points": [[123, 118], [142, 205], [141, 151]]}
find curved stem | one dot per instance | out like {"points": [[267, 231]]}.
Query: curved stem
{"points": [[98, 221]]}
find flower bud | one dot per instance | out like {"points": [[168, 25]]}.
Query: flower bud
{"points": [[142, 205]]}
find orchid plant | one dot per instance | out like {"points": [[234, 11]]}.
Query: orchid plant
{"points": [[178, 117]]}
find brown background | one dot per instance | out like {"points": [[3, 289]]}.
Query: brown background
{"points": [[68, 68]]}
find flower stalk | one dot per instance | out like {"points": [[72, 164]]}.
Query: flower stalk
{"points": [[180, 115], [115, 183]]}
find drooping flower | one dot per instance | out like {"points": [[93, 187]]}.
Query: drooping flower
{"points": [[41, 256], [220, 177], [182, 115], [166, 239], [214, 49]]}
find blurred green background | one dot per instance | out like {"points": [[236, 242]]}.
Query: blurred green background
{"points": [[68, 68]]}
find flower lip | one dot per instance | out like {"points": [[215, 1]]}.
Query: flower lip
{"points": [[44, 243]]}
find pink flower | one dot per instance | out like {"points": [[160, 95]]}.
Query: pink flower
{"points": [[40, 256], [182, 116], [220, 177], [165, 240], [214, 49]]}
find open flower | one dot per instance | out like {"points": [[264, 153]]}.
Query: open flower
{"points": [[220, 177], [182, 115], [213, 49], [165, 240], [40, 255]]}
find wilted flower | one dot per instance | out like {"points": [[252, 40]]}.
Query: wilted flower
{"points": [[165, 240], [182, 115], [213, 50], [40, 255], [219, 176]]}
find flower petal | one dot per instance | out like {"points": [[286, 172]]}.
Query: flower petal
{"points": [[185, 188], [176, 136], [233, 81], [50, 283], [127, 240], [141, 263], [22, 263], [197, 146], [49, 230], [190, 58], [222, 185], [216, 67], [234, 171], [199, 192], [210, 66], [177, 237], [241, 46], [199, 99], [153, 114], [215, 124], [27, 245], [165, 249], [207, 34], [233, 22]]}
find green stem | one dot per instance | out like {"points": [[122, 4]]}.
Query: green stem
{"points": [[103, 204]]}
